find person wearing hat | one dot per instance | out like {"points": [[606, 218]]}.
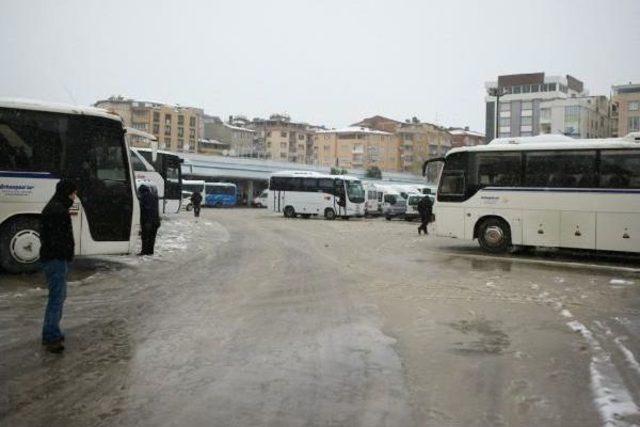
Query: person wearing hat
{"points": [[56, 252]]}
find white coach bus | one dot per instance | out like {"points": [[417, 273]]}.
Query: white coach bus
{"points": [[39, 144], [548, 190], [310, 193]]}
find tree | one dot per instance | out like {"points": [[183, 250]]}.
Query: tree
{"points": [[373, 172], [338, 171]]}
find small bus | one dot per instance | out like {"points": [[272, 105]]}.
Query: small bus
{"points": [[40, 143], [547, 190], [220, 194], [310, 193]]}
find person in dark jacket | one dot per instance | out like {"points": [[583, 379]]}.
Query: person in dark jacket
{"points": [[149, 219], [196, 201], [56, 252], [425, 206]]}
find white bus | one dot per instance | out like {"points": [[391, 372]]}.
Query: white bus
{"points": [[548, 191], [310, 193], [168, 165], [39, 144]]}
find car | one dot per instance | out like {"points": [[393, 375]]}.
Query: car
{"points": [[260, 201], [186, 200]]}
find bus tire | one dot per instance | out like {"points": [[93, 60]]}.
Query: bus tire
{"points": [[494, 235], [289, 212], [20, 245], [388, 218], [329, 214], [188, 207]]}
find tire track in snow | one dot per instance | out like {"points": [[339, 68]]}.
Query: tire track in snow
{"points": [[611, 397]]}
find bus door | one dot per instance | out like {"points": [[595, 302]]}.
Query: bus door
{"points": [[173, 184], [340, 199]]}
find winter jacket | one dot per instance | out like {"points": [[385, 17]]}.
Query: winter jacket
{"points": [[149, 213], [424, 205], [196, 198], [56, 231]]}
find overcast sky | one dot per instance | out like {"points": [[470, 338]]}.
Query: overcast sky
{"points": [[330, 62]]}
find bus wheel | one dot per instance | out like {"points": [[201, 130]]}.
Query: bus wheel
{"points": [[494, 236], [388, 218], [329, 214], [189, 207], [20, 245], [289, 212]]}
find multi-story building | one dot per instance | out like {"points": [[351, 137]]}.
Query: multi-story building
{"points": [[382, 123], [177, 128], [419, 142], [283, 139], [463, 137], [238, 141], [625, 109], [533, 104], [357, 147]]}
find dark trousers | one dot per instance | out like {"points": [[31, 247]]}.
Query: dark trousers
{"points": [[424, 219], [148, 235], [196, 210], [55, 271]]}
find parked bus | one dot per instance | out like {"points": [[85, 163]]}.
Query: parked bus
{"points": [[309, 193], [220, 194], [542, 191], [168, 164], [145, 174], [41, 143]]}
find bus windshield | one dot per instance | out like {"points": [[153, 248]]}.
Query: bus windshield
{"points": [[355, 191]]}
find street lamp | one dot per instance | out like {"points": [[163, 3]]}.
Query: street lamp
{"points": [[497, 92]]}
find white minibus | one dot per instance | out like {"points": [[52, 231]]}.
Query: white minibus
{"points": [[548, 190]]}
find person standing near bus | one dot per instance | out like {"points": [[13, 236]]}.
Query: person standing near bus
{"points": [[149, 219], [196, 201], [56, 252], [425, 206]]}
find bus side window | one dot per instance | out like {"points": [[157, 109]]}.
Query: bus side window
{"points": [[325, 185], [620, 169]]}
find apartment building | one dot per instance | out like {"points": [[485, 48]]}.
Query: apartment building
{"points": [[357, 148], [419, 142], [625, 109], [534, 104], [177, 128], [463, 137], [238, 141], [283, 139]]}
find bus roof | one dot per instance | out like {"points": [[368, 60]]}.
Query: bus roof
{"points": [[552, 142], [301, 174], [221, 184], [54, 107]]}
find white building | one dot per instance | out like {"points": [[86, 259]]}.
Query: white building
{"points": [[534, 104]]}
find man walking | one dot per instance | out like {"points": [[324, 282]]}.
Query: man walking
{"points": [[149, 219], [196, 200], [424, 209], [56, 251]]}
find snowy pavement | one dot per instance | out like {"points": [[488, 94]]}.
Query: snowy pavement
{"points": [[245, 318]]}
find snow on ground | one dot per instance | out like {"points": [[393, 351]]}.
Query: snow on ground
{"points": [[611, 397]]}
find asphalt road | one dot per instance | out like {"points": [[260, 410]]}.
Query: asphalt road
{"points": [[246, 318]]}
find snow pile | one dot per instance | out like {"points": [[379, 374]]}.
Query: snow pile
{"points": [[621, 282]]}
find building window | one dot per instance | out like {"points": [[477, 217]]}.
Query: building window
{"points": [[180, 144], [526, 88], [192, 133], [180, 131], [634, 124], [634, 105], [517, 89], [268, 133], [551, 87], [545, 113], [167, 130], [505, 121], [526, 121], [156, 128], [283, 134], [156, 116], [505, 106], [527, 105], [504, 135], [192, 121], [167, 119], [181, 120], [300, 136], [167, 142]]}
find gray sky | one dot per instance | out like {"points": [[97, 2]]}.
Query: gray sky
{"points": [[328, 62]]}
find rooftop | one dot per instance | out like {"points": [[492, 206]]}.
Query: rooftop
{"points": [[353, 129]]}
